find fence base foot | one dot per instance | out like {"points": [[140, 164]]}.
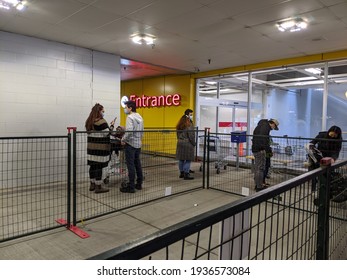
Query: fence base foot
{"points": [[74, 229]]}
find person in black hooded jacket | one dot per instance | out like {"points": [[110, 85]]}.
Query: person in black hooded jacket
{"points": [[260, 147], [329, 143]]}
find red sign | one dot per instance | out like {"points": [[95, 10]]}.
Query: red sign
{"points": [[230, 124], [156, 101]]}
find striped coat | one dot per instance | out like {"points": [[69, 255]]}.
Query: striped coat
{"points": [[99, 146]]}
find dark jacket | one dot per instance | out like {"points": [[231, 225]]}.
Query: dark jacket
{"points": [[261, 138], [330, 147], [186, 144]]}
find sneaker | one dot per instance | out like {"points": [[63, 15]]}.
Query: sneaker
{"points": [[138, 186], [127, 190], [263, 187], [187, 176], [191, 171], [259, 189]]}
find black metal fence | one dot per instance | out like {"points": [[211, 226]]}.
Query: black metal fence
{"points": [[34, 183], [45, 180], [230, 161], [289, 221], [160, 171]]}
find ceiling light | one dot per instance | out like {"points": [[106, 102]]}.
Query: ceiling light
{"points": [[143, 39], [292, 25], [315, 71], [9, 4]]}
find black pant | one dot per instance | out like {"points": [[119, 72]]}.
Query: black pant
{"points": [[267, 167], [132, 158]]}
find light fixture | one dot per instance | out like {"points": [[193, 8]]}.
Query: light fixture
{"points": [[314, 71], [143, 39], [292, 25], [10, 4]]}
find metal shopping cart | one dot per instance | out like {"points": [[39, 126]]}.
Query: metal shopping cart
{"points": [[117, 166], [214, 150]]}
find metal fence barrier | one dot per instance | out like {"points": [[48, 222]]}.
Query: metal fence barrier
{"points": [[160, 170], [289, 221], [45, 180], [34, 184]]}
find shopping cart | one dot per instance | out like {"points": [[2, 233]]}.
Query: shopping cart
{"points": [[214, 150], [117, 166]]}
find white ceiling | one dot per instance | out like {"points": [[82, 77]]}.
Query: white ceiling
{"points": [[192, 35]]}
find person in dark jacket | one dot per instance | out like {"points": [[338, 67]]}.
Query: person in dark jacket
{"points": [[98, 148], [329, 143], [186, 143], [260, 147]]}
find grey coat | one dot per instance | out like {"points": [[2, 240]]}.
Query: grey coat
{"points": [[186, 144]]}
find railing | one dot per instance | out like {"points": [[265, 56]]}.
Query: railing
{"points": [[288, 221], [45, 179], [234, 162], [34, 184], [158, 164]]}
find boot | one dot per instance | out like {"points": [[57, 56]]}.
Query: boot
{"points": [[106, 180], [92, 187], [181, 174], [187, 176], [100, 189]]}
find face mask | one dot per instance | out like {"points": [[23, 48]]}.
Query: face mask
{"points": [[191, 118], [126, 111], [102, 114], [332, 134]]}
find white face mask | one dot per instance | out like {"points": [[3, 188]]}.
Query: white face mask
{"points": [[126, 111], [191, 118], [103, 114]]}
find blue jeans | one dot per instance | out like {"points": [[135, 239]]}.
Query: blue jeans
{"points": [[132, 158], [184, 165]]}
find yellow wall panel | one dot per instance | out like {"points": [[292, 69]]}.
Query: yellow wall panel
{"points": [[164, 116]]}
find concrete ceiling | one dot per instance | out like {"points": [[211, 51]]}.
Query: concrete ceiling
{"points": [[192, 35]]}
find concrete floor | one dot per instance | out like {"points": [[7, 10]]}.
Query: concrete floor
{"points": [[113, 230]]}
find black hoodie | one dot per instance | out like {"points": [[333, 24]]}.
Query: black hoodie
{"points": [[330, 147]]}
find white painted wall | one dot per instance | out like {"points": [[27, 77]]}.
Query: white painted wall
{"points": [[47, 86]]}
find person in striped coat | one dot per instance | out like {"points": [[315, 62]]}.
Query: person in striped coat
{"points": [[98, 148]]}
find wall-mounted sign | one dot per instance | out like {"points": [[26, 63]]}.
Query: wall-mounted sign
{"points": [[157, 101]]}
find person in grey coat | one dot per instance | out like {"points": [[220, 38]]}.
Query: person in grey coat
{"points": [[185, 151]]}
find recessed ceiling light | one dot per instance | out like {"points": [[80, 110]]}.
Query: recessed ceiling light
{"points": [[9, 4], [292, 25], [143, 39]]}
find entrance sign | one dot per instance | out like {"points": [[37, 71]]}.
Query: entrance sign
{"points": [[157, 101]]}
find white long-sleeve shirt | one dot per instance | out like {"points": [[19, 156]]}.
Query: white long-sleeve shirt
{"points": [[134, 130]]}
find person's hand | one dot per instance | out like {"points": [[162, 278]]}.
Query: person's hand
{"points": [[122, 143], [112, 122]]}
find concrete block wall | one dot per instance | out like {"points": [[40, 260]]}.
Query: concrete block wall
{"points": [[47, 86]]}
